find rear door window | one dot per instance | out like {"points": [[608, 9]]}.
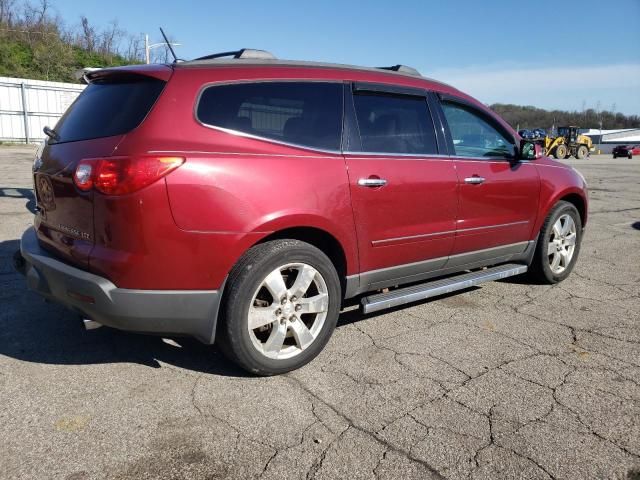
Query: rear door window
{"points": [[113, 106], [394, 124], [300, 113]]}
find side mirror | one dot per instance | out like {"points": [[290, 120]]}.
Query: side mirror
{"points": [[530, 150]]}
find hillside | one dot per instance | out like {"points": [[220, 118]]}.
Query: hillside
{"points": [[36, 44], [520, 117], [52, 61]]}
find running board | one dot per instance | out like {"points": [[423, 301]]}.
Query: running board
{"points": [[402, 296]]}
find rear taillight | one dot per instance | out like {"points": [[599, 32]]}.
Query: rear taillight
{"points": [[83, 176], [122, 175]]}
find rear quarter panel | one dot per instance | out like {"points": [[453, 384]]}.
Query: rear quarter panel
{"points": [[237, 187]]}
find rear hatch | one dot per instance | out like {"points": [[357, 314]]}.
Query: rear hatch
{"points": [[113, 104]]}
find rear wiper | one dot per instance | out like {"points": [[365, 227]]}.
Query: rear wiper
{"points": [[51, 133]]}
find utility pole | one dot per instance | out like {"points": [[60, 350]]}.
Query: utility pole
{"points": [[147, 47]]}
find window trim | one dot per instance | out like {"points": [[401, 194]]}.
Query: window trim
{"points": [[239, 133], [351, 119], [383, 88], [467, 105]]}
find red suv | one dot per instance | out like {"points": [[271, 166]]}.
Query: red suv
{"points": [[244, 198]]}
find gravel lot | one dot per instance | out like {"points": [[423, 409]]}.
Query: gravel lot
{"points": [[509, 380]]}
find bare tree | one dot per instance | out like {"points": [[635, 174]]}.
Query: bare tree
{"points": [[110, 39], [7, 9], [134, 49], [41, 12], [88, 35]]}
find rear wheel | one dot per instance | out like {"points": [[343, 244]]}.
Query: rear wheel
{"points": [[558, 244], [582, 152], [561, 152], [282, 302]]}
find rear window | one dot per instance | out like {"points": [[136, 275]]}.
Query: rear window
{"points": [[394, 124], [109, 107], [301, 113]]}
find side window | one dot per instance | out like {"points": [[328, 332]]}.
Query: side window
{"points": [[302, 113], [473, 136], [394, 124]]}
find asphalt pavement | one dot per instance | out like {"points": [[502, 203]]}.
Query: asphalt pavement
{"points": [[509, 380]]}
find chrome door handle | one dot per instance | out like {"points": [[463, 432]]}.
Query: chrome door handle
{"points": [[372, 182], [475, 180]]}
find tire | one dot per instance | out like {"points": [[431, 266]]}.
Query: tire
{"points": [[630, 156], [561, 152], [615, 156], [581, 152], [542, 266], [293, 338]]}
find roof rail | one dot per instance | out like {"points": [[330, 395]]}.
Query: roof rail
{"points": [[402, 69], [242, 53]]}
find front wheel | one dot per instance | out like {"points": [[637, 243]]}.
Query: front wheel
{"points": [[558, 244], [582, 152], [561, 152], [281, 306]]}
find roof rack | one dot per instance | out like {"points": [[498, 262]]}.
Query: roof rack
{"points": [[402, 69], [242, 53]]}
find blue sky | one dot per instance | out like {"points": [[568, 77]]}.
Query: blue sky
{"points": [[551, 54]]}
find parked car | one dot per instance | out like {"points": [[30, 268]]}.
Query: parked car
{"points": [[526, 134], [539, 133], [243, 199], [626, 151]]}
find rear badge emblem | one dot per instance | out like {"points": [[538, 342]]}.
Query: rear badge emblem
{"points": [[45, 191]]}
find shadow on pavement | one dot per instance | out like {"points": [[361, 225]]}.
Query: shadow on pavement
{"points": [[10, 192], [33, 330]]}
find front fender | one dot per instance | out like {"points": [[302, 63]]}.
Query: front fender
{"points": [[560, 182]]}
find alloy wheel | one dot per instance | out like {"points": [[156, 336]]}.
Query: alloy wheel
{"points": [[562, 244], [288, 311]]}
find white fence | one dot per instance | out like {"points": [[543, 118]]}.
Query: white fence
{"points": [[26, 106]]}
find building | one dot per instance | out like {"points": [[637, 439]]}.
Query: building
{"points": [[606, 140]]}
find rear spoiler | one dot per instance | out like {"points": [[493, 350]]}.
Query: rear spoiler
{"points": [[161, 72]]}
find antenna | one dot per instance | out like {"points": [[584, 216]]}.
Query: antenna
{"points": [[175, 58]]}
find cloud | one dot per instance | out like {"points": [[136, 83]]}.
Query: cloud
{"points": [[550, 87]]}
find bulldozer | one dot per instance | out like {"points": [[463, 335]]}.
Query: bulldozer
{"points": [[568, 142]]}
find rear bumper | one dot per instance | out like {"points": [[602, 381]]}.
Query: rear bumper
{"points": [[169, 312]]}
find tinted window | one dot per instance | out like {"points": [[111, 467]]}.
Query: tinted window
{"points": [[307, 113], [394, 124], [109, 107], [473, 136]]}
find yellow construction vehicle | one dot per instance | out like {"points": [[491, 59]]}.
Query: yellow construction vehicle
{"points": [[568, 142]]}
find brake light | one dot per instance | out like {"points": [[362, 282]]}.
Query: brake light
{"points": [[122, 175]]}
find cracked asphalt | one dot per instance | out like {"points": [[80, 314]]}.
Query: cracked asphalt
{"points": [[508, 380]]}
